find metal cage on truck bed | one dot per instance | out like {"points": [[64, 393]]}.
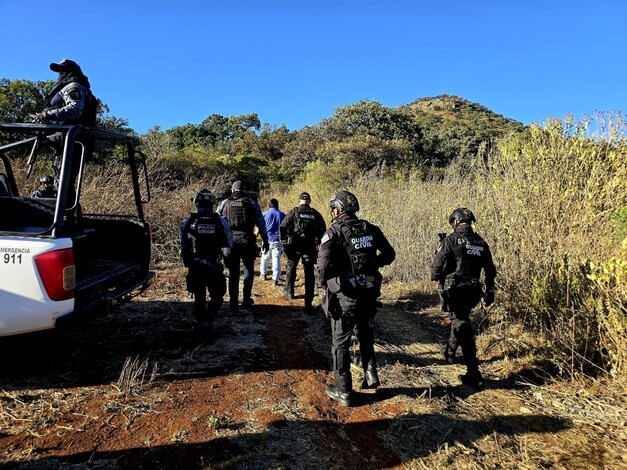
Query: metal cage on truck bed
{"points": [[57, 258]]}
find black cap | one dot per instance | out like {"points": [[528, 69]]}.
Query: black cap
{"points": [[66, 65], [304, 196]]}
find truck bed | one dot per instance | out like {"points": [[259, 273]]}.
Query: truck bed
{"points": [[94, 273]]}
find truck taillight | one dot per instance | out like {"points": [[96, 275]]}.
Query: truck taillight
{"points": [[58, 273]]}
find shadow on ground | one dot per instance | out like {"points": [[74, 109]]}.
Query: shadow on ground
{"points": [[409, 437]]}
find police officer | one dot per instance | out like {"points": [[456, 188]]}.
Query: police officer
{"points": [[70, 101], [205, 235], [351, 252], [46, 188], [243, 214], [301, 231], [457, 267]]}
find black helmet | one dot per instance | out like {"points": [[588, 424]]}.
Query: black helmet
{"points": [[48, 180], [205, 199], [344, 201], [462, 214]]}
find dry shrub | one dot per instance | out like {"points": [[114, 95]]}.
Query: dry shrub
{"points": [[551, 196], [547, 202], [133, 379], [109, 190]]}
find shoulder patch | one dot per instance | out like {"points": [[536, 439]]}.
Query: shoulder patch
{"points": [[325, 238]]}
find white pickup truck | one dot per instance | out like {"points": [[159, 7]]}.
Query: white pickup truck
{"points": [[58, 259]]}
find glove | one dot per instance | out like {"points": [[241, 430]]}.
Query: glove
{"points": [[265, 246], [488, 298], [39, 118]]}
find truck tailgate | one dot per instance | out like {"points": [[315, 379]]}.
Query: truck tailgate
{"points": [[24, 303]]}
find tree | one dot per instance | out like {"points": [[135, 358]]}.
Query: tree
{"points": [[19, 98]]}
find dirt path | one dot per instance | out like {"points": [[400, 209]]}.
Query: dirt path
{"points": [[135, 389]]}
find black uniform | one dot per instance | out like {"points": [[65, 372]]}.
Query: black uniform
{"points": [[45, 192], [242, 213], [457, 266], [203, 235], [351, 253], [301, 231]]}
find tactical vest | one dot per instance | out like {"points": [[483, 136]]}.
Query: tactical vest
{"points": [[361, 250], [305, 226], [470, 256], [90, 108], [240, 212], [207, 235]]}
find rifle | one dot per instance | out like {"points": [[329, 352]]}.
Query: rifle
{"points": [[443, 292], [32, 158]]}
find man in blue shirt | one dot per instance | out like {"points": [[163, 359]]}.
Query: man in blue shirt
{"points": [[273, 218]]}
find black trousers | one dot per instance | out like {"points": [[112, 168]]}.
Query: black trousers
{"points": [[356, 317], [461, 303], [308, 259], [203, 278], [244, 253]]}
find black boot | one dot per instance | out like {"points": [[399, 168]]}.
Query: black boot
{"points": [[371, 378], [343, 398], [472, 379], [204, 331]]}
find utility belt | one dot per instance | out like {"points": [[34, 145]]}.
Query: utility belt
{"points": [[199, 268], [454, 281], [243, 238], [300, 242], [356, 285], [210, 261], [460, 292]]}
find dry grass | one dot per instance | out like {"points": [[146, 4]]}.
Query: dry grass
{"points": [[421, 416], [545, 202]]}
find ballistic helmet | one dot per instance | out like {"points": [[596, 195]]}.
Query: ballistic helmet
{"points": [[462, 214], [47, 180], [205, 199], [344, 201]]}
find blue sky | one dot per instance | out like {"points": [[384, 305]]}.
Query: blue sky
{"points": [[169, 63]]}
